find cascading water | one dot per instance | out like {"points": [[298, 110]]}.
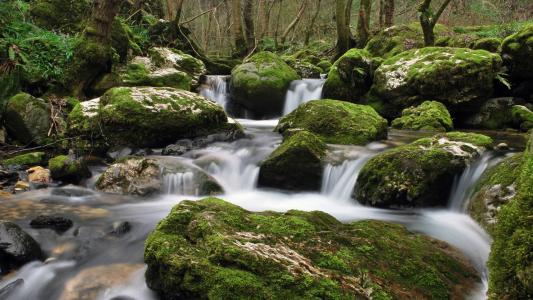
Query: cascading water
{"points": [[338, 181], [302, 91], [179, 184], [216, 89]]}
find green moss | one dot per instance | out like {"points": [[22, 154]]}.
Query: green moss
{"points": [[489, 44], [27, 119], [430, 115], [325, 65], [25, 160], [60, 15], [65, 168], [296, 164], [336, 122], [523, 117], [213, 249], [122, 39], [476, 139], [517, 50], [140, 75]]}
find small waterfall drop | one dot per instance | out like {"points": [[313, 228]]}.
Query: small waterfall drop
{"points": [[216, 89], [338, 181], [179, 184], [302, 91]]}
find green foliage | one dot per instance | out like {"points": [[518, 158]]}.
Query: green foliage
{"points": [[493, 31], [25, 160]]}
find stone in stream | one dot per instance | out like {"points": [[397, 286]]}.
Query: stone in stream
{"points": [[213, 249], [296, 164], [428, 116], [420, 174], [57, 223], [68, 169], [16, 247], [25, 160], [336, 122]]}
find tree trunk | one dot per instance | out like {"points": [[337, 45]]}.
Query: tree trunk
{"points": [[238, 36], [428, 20], [261, 18], [277, 24], [363, 24], [313, 22], [294, 22], [389, 13], [344, 35], [249, 25]]}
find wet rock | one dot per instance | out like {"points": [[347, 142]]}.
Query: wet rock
{"points": [[21, 186], [185, 145], [8, 178], [57, 223], [71, 191], [8, 289], [213, 249], [501, 147], [38, 175], [120, 228], [494, 114], [25, 160], [67, 168], [16, 247]]}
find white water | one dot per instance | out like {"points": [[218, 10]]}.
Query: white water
{"points": [[302, 91], [216, 89], [338, 181], [179, 184]]}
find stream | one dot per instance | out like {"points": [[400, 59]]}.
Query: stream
{"points": [[91, 243]]}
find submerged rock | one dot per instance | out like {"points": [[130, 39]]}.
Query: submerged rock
{"points": [[57, 223], [16, 247], [296, 164], [459, 78], [260, 84], [145, 176], [420, 174], [430, 116], [336, 122], [27, 119], [213, 249]]}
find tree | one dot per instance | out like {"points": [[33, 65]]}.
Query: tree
{"points": [[238, 36], [249, 31], [294, 22], [313, 22], [345, 40], [386, 13], [363, 24], [428, 20]]}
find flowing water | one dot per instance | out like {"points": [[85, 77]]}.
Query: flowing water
{"points": [[216, 88], [235, 165], [302, 91]]}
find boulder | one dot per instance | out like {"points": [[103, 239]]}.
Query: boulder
{"points": [[489, 44], [350, 76], [173, 58], [68, 169], [57, 223], [494, 114], [420, 174], [27, 119], [141, 117], [522, 117], [38, 175], [336, 122], [296, 164], [16, 247], [459, 78], [210, 249], [261, 82], [517, 53], [25, 160], [428, 116], [147, 176]]}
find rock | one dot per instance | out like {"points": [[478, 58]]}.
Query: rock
{"points": [[123, 39], [523, 117], [489, 44], [496, 113], [16, 247], [8, 179], [21, 186], [305, 69], [517, 53], [173, 58], [350, 76], [68, 169], [459, 78], [420, 174], [145, 176], [336, 122], [260, 84], [92, 282], [38, 175], [60, 15], [186, 145], [143, 117], [57, 223], [429, 116], [502, 147], [25, 160], [213, 249], [9, 288], [496, 188], [296, 164], [120, 228], [27, 119]]}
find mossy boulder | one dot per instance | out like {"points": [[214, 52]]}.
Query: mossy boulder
{"points": [[27, 119], [336, 122], [173, 58], [420, 174], [148, 176], [306, 69], [211, 249], [517, 52], [510, 262], [261, 82], [68, 169], [296, 164], [350, 76], [60, 15], [144, 117], [325, 65], [522, 117], [459, 78], [428, 116], [25, 160], [123, 40], [489, 44], [496, 113]]}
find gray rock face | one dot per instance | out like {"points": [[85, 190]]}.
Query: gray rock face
{"points": [[16, 247]]}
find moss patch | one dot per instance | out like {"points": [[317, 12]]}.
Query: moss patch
{"points": [[517, 50], [25, 160], [430, 115], [68, 169]]}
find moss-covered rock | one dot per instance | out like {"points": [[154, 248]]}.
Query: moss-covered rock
{"points": [[350, 76], [459, 78], [260, 84], [489, 44], [420, 174], [522, 117], [511, 262], [336, 122], [296, 164], [147, 176], [144, 117], [494, 114], [211, 249], [60, 15], [122, 39], [25, 160], [27, 119], [68, 169], [517, 52], [325, 65], [172, 58], [305, 69], [430, 116]]}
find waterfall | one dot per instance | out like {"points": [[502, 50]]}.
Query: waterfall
{"points": [[216, 89], [234, 170], [302, 91], [338, 181], [179, 184]]}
